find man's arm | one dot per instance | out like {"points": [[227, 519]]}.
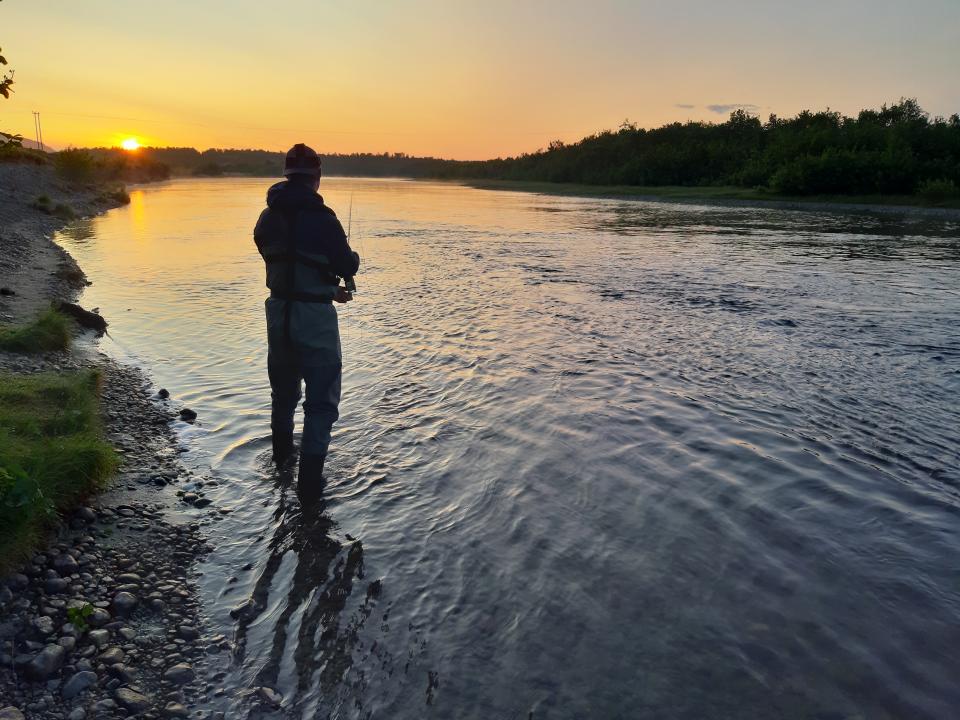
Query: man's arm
{"points": [[344, 261]]}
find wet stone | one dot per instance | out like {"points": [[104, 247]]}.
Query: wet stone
{"points": [[47, 662], [124, 603], [188, 632], [65, 564], [270, 696], [53, 586], [99, 637], [86, 514], [111, 656], [175, 709], [78, 683], [11, 713], [179, 674], [99, 617]]}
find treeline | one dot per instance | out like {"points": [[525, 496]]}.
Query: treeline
{"points": [[108, 165], [262, 163], [895, 150]]}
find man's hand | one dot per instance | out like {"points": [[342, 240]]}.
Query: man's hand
{"points": [[342, 295]]}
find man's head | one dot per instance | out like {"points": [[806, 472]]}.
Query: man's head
{"points": [[302, 165]]}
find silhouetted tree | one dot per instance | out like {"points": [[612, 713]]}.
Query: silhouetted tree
{"points": [[6, 80]]}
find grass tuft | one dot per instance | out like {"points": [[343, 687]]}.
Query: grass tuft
{"points": [[52, 454], [50, 331]]}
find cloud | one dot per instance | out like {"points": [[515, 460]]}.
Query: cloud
{"points": [[729, 108], [685, 106]]}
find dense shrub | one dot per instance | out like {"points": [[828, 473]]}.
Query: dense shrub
{"points": [[939, 190], [75, 165]]}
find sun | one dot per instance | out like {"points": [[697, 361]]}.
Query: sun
{"points": [[130, 144]]}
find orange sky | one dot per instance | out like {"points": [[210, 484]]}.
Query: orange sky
{"points": [[455, 78]]}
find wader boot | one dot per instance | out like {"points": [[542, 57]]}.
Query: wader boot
{"points": [[310, 478], [283, 448]]}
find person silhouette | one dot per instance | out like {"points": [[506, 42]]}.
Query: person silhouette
{"points": [[306, 253]]}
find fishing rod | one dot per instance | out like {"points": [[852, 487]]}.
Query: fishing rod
{"points": [[348, 282]]}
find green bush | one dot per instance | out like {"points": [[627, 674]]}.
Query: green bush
{"points": [[64, 211], [50, 331], [75, 165], [52, 454], [938, 191]]}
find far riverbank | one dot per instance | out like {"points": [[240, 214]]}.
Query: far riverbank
{"points": [[730, 196]]}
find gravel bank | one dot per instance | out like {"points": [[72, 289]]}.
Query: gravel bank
{"points": [[104, 622]]}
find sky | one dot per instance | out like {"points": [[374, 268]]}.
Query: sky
{"points": [[465, 79]]}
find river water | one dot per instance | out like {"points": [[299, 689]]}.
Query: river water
{"points": [[596, 458]]}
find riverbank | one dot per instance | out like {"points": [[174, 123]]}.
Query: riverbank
{"points": [[103, 619], [730, 196]]}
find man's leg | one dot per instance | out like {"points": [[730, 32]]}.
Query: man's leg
{"points": [[321, 408], [283, 367], [320, 411]]}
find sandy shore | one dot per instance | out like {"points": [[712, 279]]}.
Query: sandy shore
{"points": [[128, 555]]}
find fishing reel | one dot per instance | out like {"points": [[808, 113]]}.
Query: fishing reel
{"points": [[350, 284]]}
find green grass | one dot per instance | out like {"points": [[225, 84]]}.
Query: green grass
{"points": [[50, 331], [707, 193], [52, 454]]}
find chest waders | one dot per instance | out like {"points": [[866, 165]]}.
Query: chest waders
{"points": [[291, 257]]}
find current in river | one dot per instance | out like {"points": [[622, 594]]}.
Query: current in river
{"points": [[596, 458]]}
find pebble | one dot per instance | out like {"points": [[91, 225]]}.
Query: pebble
{"points": [[86, 514], [271, 696], [11, 713], [175, 709], [52, 586], [65, 564], [111, 656], [179, 674], [78, 683], [99, 617], [124, 603], [99, 637], [132, 700], [188, 632], [47, 662]]}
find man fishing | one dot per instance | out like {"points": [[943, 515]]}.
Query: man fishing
{"points": [[306, 254]]}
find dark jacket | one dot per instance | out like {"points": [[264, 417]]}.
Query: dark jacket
{"points": [[320, 246], [303, 270]]}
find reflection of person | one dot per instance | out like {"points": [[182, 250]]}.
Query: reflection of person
{"points": [[306, 253], [318, 589]]}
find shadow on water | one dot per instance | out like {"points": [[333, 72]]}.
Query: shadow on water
{"points": [[309, 627]]}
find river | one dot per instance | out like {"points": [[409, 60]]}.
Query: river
{"points": [[596, 458]]}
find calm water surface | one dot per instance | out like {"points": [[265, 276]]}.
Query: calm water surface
{"points": [[597, 458]]}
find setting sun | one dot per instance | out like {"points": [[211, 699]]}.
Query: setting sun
{"points": [[130, 144]]}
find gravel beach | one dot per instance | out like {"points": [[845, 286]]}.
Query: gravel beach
{"points": [[104, 621]]}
